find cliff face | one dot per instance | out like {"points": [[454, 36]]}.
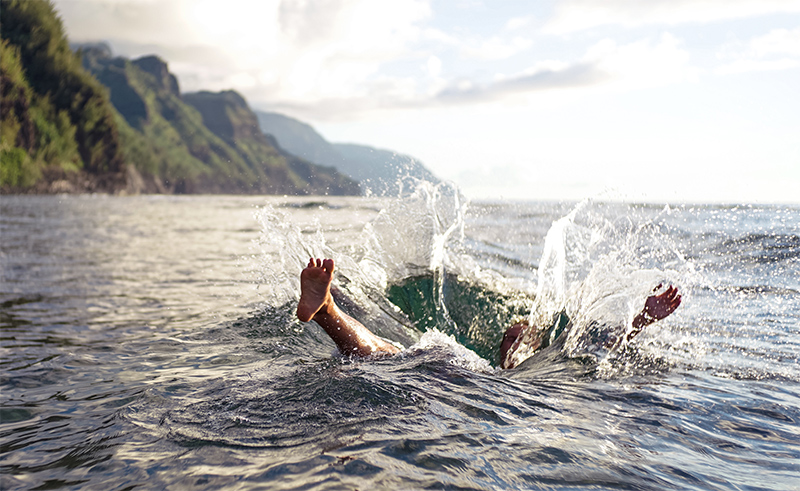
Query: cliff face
{"points": [[98, 123], [229, 117], [171, 147], [165, 81], [58, 126], [203, 142]]}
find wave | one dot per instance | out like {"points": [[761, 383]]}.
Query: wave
{"points": [[760, 248]]}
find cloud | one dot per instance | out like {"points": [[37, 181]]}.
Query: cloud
{"points": [[630, 66], [516, 23], [293, 51], [325, 59], [496, 48], [606, 65], [777, 50], [535, 79], [145, 21], [645, 63], [777, 41], [577, 15]]}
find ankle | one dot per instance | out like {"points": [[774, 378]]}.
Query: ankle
{"points": [[328, 311]]}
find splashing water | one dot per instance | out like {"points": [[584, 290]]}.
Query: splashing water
{"points": [[598, 265]]}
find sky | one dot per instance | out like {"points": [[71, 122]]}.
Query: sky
{"points": [[635, 100]]}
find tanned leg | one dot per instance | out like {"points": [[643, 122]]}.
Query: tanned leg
{"points": [[316, 303]]}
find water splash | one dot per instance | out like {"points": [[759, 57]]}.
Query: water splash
{"points": [[285, 251], [410, 236], [599, 264]]}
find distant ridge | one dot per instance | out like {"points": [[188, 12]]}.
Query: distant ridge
{"points": [[76, 119], [200, 142], [379, 171], [299, 138]]}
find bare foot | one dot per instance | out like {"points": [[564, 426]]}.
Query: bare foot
{"points": [[316, 302], [512, 340], [315, 288], [656, 307]]}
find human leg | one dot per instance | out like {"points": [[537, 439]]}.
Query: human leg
{"points": [[316, 303]]}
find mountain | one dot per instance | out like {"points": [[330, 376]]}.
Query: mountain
{"points": [[58, 130], [229, 117], [203, 142], [380, 171], [299, 138], [90, 122]]}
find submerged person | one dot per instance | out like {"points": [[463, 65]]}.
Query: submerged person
{"points": [[352, 338]]}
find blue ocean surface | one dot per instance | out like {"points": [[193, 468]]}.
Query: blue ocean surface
{"points": [[150, 343]]}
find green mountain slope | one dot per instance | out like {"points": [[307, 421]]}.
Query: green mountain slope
{"points": [[58, 128], [379, 171], [92, 122], [199, 142], [229, 117]]}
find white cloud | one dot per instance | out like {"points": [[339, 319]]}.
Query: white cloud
{"points": [[643, 63], [434, 66], [320, 58], [516, 23], [496, 48], [777, 50], [544, 76], [778, 41], [293, 52], [576, 15], [477, 48], [744, 66], [635, 65]]}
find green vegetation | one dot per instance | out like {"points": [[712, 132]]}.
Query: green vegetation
{"points": [[203, 142], [91, 122], [56, 119], [229, 117]]}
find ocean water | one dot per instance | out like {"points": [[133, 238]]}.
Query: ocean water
{"points": [[150, 343]]}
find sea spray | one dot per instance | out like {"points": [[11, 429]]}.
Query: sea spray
{"points": [[598, 266], [410, 237], [410, 272], [286, 251]]}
